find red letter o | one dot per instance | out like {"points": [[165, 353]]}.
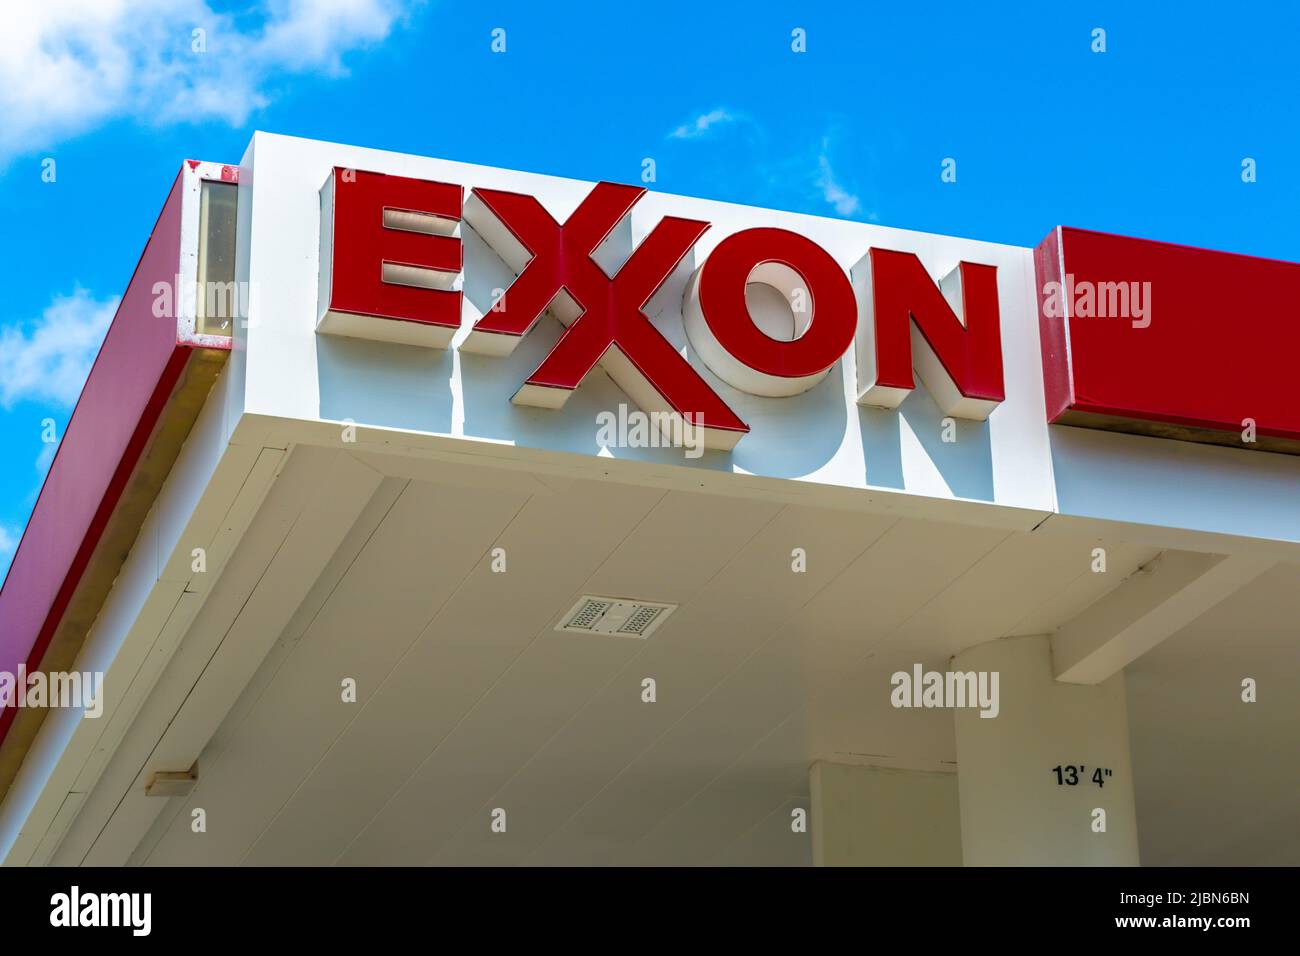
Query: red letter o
{"points": [[721, 330]]}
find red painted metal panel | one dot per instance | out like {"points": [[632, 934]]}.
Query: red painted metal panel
{"points": [[1209, 339], [133, 375], [1056, 357]]}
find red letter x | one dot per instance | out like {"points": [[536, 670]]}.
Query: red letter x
{"points": [[603, 315]]}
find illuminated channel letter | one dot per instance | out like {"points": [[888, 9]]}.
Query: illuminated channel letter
{"points": [[388, 258], [949, 333], [603, 317], [819, 315]]}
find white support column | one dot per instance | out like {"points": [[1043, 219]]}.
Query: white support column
{"points": [[1017, 808]]}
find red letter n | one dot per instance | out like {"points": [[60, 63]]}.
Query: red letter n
{"points": [[950, 333]]}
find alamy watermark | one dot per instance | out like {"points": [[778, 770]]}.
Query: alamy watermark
{"points": [[220, 301], [631, 428], [1100, 300], [57, 689], [75, 908], [922, 688]]}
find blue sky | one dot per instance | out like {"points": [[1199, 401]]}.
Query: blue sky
{"points": [[1145, 139]]}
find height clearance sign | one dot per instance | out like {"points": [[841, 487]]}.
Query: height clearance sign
{"points": [[390, 260]]}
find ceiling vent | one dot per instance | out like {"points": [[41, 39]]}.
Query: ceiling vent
{"points": [[622, 617]]}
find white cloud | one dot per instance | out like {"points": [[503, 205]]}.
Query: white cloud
{"points": [[67, 66], [702, 124], [49, 359], [46, 457], [8, 541], [845, 203], [8, 544]]}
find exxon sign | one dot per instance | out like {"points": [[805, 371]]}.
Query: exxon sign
{"points": [[391, 259]]}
